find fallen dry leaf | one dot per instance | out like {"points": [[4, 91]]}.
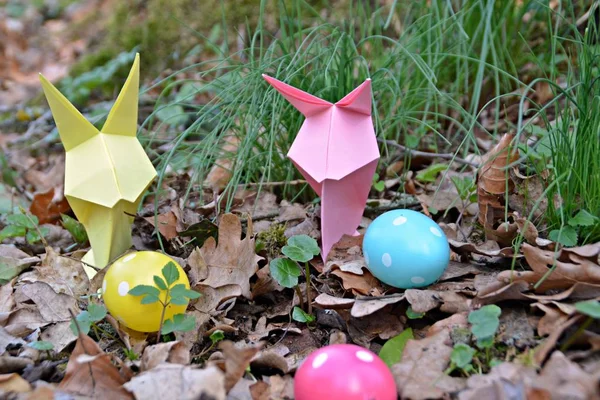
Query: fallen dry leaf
{"points": [[7, 300], [53, 307], [23, 321], [236, 361], [175, 352], [493, 185], [365, 306], [6, 339], [327, 301], [384, 324], [565, 379], [221, 172], [12, 262], [13, 383], [90, 373], [365, 284], [455, 321], [501, 383], [60, 335], [167, 224], [231, 262], [64, 275], [559, 379], [420, 372], [10, 364], [48, 206], [175, 381], [565, 275], [541, 352]]}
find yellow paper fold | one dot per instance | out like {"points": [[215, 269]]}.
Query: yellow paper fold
{"points": [[106, 171]]}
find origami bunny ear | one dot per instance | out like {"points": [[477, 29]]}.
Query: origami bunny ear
{"points": [[72, 127], [359, 99], [122, 119], [306, 103]]}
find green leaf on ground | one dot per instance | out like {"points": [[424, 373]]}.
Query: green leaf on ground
{"points": [[297, 253], [485, 321], [583, 218], [41, 345], [430, 173], [75, 228], [285, 272], [567, 236], [462, 355], [300, 315], [306, 243], [392, 350], [179, 323], [589, 307]]}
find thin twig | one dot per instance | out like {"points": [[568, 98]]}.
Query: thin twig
{"points": [[307, 277], [417, 153]]}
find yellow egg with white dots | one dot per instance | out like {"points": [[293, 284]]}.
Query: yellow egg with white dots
{"points": [[134, 269]]}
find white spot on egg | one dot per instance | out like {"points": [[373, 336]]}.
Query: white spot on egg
{"points": [[319, 360], [367, 258], [417, 279], [123, 288], [399, 221], [364, 356], [435, 231], [129, 257], [386, 259], [104, 286]]}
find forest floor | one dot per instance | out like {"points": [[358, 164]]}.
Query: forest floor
{"points": [[513, 316]]}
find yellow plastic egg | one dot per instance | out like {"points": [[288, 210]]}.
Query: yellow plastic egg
{"points": [[135, 269]]}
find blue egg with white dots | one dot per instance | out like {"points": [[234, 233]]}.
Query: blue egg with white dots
{"points": [[406, 249]]}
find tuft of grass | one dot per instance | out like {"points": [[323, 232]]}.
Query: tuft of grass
{"points": [[432, 69], [569, 144]]}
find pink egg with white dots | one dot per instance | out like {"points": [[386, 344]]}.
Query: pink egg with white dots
{"points": [[344, 372]]}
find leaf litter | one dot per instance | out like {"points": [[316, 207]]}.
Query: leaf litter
{"points": [[542, 341]]}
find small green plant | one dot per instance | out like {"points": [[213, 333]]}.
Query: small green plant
{"points": [[591, 308], [131, 354], [23, 224], [484, 326], [176, 294], [286, 270], [378, 184], [467, 191], [44, 346], [88, 319], [569, 234], [75, 228], [411, 314]]}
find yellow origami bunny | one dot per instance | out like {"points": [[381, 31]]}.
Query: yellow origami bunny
{"points": [[106, 171]]}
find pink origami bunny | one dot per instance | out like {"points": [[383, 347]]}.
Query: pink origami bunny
{"points": [[336, 151]]}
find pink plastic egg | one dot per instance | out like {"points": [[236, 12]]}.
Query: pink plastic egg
{"points": [[344, 372]]}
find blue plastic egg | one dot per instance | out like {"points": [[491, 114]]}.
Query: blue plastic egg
{"points": [[406, 249]]}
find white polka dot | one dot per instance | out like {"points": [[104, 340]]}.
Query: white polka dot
{"points": [[364, 356], [129, 257], [366, 258], [435, 231], [417, 279], [104, 286], [319, 360], [123, 288], [399, 221], [386, 259]]}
